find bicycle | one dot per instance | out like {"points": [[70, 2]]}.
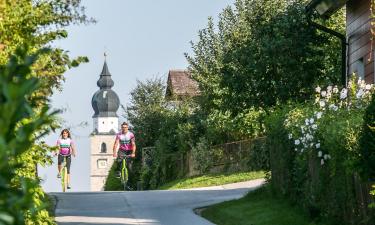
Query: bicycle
{"points": [[64, 175], [124, 177]]}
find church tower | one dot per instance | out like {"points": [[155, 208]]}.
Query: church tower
{"points": [[105, 103]]}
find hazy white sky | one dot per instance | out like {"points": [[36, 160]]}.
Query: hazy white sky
{"points": [[142, 38]]}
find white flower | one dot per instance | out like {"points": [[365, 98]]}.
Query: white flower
{"points": [[314, 126], [319, 115], [329, 88], [297, 142], [296, 149], [325, 156], [333, 107], [328, 156], [359, 93], [320, 153], [317, 145], [317, 89], [322, 103], [343, 93], [322, 162], [307, 121], [312, 120], [324, 93], [368, 86], [290, 136], [335, 90]]}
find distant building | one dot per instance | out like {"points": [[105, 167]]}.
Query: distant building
{"points": [[360, 50], [105, 103], [180, 85]]}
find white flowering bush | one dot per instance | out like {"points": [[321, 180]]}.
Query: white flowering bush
{"points": [[303, 124]]}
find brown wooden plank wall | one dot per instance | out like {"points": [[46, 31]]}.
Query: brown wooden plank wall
{"points": [[358, 34]]}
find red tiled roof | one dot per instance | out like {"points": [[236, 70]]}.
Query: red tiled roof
{"points": [[180, 83]]}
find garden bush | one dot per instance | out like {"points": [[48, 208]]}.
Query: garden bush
{"points": [[316, 157]]}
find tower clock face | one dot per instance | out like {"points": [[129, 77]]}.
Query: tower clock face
{"points": [[102, 163]]}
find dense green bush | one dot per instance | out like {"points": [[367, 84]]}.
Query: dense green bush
{"points": [[367, 144], [315, 154]]}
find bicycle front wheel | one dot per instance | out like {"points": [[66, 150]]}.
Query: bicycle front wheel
{"points": [[64, 179]]}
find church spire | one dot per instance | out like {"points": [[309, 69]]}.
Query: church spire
{"points": [[105, 81], [105, 101]]}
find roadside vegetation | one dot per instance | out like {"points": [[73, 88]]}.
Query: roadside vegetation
{"points": [[30, 70], [213, 180]]}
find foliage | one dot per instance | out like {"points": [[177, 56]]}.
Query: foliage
{"points": [[262, 53], [39, 23], [21, 196], [315, 152], [113, 183], [367, 142], [35, 24]]}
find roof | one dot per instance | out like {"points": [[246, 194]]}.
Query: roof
{"points": [[325, 7], [105, 101], [181, 84]]}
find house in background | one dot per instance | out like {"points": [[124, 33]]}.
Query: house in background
{"points": [[180, 86], [359, 52]]}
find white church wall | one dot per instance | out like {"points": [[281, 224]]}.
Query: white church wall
{"points": [[106, 124], [101, 161]]}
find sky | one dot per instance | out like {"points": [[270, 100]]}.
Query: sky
{"points": [[142, 39]]}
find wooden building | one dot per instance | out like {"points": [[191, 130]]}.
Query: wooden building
{"points": [[359, 52]]}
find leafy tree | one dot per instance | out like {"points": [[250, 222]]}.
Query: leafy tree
{"points": [[20, 196], [262, 53], [36, 24], [145, 110]]}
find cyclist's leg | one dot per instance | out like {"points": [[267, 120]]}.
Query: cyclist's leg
{"points": [[120, 156], [60, 159], [68, 163], [129, 161]]}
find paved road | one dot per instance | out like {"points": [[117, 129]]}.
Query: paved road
{"points": [[144, 207]]}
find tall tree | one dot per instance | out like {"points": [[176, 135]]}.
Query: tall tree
{"points": [[261, 53]]}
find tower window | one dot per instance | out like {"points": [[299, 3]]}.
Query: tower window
{"points": [[103, 148]]}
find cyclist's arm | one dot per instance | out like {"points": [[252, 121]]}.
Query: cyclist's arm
{"points": [[57, 148], [115, 147], [134, 147], [74, 152]]}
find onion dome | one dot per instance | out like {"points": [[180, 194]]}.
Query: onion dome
{"points": [[105, 101]]}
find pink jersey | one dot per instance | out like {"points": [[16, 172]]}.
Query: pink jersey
{"points": [[125, 141], [65, 145]]}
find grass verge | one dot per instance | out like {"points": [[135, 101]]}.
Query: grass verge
{"points": [[213, 180], [258, 207]]}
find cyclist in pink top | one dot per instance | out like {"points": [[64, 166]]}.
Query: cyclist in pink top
{"points": [[124, 147], [66, 149]]}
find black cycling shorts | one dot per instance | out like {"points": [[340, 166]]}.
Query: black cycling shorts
{"points": [[68, 161]]}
